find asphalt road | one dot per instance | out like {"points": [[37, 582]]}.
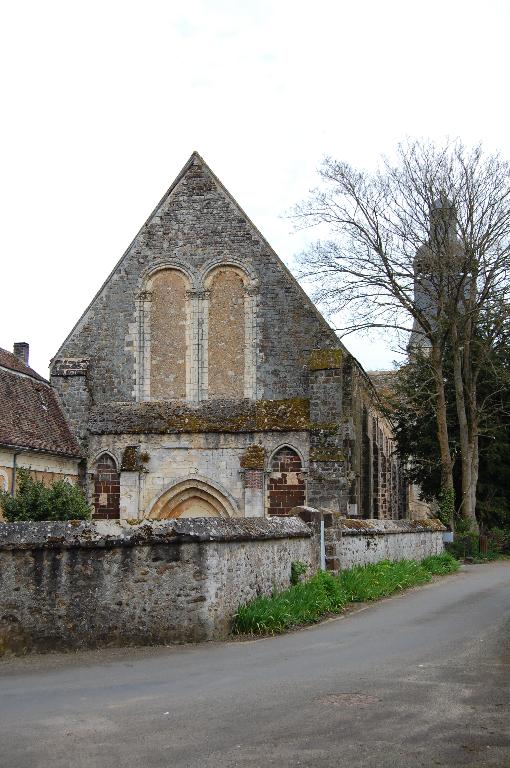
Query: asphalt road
{"points": [[422, 679]]}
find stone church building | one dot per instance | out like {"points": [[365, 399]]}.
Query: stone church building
{"points": [[202, 381]]}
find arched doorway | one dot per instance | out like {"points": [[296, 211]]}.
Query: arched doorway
{"points": [[286, 483], [191, 498], [106, 489]]}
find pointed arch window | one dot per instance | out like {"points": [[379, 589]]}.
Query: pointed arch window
{"points": [[106, 497]]}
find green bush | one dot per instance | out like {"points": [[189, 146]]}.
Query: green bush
{"points": [[324, 593], [36, 501], [499, 539], [446, 509], [439, 565]]}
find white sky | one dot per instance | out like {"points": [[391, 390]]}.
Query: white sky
{"points": [[103, 102]]}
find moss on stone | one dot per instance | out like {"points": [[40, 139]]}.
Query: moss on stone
{"points": [[318, 454], [325, 427], [222, 416], [325, 359], [253, 457], [290, 414]]}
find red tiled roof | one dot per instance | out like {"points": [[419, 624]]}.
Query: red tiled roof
{"points": [[8, 360], [30, 414]]}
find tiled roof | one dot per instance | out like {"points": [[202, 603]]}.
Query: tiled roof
{"points": [[8, 360], [30, 414]]}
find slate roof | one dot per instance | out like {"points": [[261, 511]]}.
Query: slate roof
{"points": [[30, 414]]}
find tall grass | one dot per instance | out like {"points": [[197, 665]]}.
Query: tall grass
{"points": [[324, 593]]}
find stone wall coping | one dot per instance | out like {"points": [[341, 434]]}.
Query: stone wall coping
{"points": [[76, 534], [351, 527], [360, 527]]}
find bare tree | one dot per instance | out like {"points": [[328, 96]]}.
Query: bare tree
{"points": [[423, 241]]}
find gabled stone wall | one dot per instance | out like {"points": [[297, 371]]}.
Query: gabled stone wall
{"points": [[196, 228]]}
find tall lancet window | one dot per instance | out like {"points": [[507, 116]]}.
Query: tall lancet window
{"points": [[226, 354], [168, 335]]}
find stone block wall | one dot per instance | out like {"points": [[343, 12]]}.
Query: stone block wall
{"points": [[69, 377], [327, 483], [351, 542], [87, 585], [385, 540]]}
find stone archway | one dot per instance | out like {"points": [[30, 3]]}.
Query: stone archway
{"points": [[191, 498]]}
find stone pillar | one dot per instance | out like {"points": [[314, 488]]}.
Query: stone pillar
{"points": [[141, 337], [132, 469], [252, 468], [253, 493], [129, 495], [250, 346], [197, 313], [69, 378], [327, 481], [331, 525]]}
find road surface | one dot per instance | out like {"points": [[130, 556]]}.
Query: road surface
{"points": [[421, 679]]}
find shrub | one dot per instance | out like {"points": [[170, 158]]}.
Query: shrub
{"points": [[36, 501], [438, 565], [499, 539], [369, 582]]}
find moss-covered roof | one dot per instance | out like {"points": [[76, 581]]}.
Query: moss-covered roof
{"points": [[288, 415]]}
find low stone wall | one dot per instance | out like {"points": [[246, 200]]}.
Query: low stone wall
{"points": [[350, 542], [79, 584]]}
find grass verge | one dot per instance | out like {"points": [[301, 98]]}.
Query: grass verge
{"points": [[324, 593]]}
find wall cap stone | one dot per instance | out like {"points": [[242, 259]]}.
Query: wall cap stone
{"points": [[360, 527], [351, 527], [78, 534]]}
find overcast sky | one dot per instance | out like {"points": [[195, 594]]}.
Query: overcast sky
{"points": [[103, 102]]}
